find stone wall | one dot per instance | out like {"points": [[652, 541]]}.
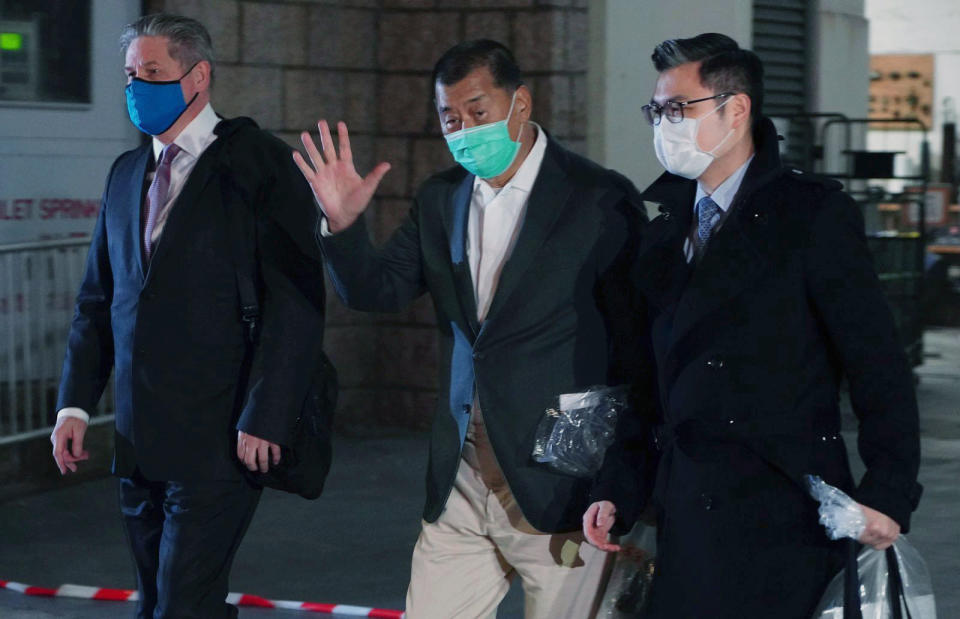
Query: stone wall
{"points": [[368, 62]]}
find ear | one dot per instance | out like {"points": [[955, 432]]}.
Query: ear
{"points": [[201, 76], [524, 103], [740, 106]]}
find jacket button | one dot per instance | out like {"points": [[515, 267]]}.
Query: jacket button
{"points": [[478, 356], [707, 501], [150, 296], [715, 363], [760, 218]]}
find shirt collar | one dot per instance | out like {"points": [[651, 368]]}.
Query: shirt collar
{"points": [[724, 194], [527, 173], [196, 136]]}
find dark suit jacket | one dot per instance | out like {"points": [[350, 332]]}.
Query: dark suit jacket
{"points": [[172, 328], [560, 320], [751, 344]]}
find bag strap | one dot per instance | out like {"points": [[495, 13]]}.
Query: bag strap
{"points": [[241, 228], [895, 582], [896, 596], [851, 582], [243, 250]]}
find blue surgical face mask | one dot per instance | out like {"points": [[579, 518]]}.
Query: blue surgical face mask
{"points": [[485, 150], [155, 106]]}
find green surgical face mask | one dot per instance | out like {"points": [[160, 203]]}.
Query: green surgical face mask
{"points": [[485, 150]]}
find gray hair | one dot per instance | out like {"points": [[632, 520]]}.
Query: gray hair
{"points": [[189, 42]]}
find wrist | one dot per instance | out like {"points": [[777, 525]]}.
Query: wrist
{"points": [[73, 412]]}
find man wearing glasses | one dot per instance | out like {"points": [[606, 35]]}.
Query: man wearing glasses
{"points": [[762, 296]]}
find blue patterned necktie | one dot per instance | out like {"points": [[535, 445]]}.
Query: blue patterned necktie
{"points": [[708, 213]]}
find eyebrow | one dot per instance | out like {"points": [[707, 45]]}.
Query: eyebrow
{"points": [[447, 108], [145, 64], [676, 99]]}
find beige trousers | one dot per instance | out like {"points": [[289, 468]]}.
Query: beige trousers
{"points": [[464, 562]]}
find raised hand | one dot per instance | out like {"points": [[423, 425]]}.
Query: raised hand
{"points": [[342, 193]]}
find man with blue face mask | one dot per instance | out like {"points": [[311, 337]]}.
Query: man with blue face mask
{"points": [[196, 403], [524, 248], [761, 297]]}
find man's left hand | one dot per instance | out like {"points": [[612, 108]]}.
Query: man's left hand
{"points": [[256, 453], [881, 530]]}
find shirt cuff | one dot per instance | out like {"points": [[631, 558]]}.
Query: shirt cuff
{"points": [[76, 413], [325, 228]]}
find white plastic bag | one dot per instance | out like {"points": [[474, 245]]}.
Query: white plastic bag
{"points": [[843, 517]]}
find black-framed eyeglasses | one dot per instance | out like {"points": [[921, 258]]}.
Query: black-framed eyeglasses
{"points": [[673, 110]]}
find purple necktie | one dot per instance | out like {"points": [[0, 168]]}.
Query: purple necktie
{"points": [[157, 195]]}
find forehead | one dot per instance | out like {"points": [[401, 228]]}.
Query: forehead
{"points": [[145, 49], [475, 84], [681, 82]]}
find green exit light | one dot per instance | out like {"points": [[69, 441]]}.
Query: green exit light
{"points": [[11, 41]]}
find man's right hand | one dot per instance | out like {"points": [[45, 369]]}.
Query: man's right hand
{"points": [[341, 192], [67, 439], [597, 522]]}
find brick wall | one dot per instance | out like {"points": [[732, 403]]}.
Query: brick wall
{"points": [[368, 62]]}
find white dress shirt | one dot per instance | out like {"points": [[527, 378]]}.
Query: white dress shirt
{"points": [[496, 216], [193, 140], [723, 196]]}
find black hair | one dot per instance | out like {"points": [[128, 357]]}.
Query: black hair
{"points": [[463, 58], [725, 66]]}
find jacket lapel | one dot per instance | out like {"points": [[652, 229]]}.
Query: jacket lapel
{"points": [[548, 197], [661, 271], [136, 192], [456, 215], [736, 254], [730, 264], [201, 174]]}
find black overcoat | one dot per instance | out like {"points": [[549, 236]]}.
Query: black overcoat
{"points": [[751, 344]]}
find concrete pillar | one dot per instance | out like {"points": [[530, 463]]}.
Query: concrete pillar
{"points": [[839, 71]]}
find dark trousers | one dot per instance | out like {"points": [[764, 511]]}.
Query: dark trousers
{"points": [[184, 536]]}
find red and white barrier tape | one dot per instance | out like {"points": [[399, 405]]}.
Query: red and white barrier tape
{"points": [[240, 599]]}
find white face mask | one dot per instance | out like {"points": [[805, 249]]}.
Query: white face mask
{"points": [[677, 149]]}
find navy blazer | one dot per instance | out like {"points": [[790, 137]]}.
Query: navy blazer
{"points": [[171, 329]]}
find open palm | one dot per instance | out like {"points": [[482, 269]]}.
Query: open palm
{"points": [[342, 193]]}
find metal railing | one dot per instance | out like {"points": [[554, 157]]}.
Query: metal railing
{"points": [[38, 284]]}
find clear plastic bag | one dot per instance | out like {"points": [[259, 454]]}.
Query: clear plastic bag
{"points": [[573, 437], [627, 592], [843, 517], [839, 514]]}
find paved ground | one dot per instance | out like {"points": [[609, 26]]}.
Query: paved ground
{"points": [[353, 545]]}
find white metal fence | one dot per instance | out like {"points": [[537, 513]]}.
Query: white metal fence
{"points": [[38, 284]]}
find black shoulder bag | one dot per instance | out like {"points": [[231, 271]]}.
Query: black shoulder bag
{"points": [[305, 463]]}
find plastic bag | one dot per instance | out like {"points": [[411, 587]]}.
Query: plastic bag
{"points": [[627, 592], [572, 438], [839, 514], [843, 517]]}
